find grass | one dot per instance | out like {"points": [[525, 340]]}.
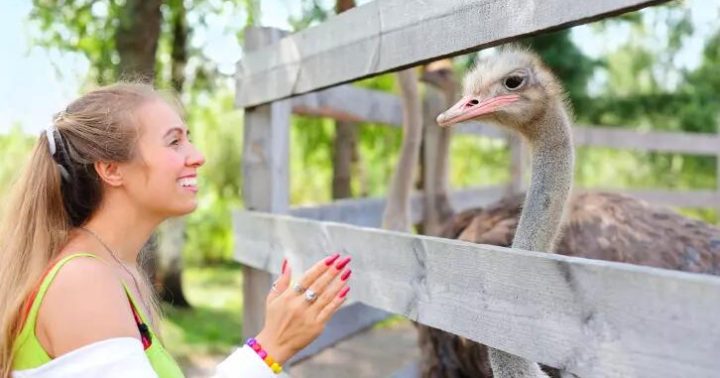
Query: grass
{"points": [[213, 326]]}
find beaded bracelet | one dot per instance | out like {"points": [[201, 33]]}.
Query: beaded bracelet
{"points": [[274, 366]]}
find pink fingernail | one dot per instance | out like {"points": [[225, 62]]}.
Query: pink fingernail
{"points": [[284, 265], [344, 292], [346, 275], [331, 259], [341, 264]]}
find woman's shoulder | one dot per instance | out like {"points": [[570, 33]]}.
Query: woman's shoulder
{"points": [[84, 303]]}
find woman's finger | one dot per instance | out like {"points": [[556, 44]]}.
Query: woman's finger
{"points": [[317, 270], [320, 285], [329, 310], [282, 283], [331, 291]]}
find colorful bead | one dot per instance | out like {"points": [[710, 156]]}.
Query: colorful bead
{"points": [[274, 366]]}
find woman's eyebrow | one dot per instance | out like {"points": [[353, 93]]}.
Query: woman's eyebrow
{"points": [[181, 130]]}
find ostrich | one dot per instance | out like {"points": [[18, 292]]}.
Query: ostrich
{"points": [[396, 216], [515, 90]]}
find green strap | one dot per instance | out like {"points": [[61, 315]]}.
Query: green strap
{"points": [[32, 315]]}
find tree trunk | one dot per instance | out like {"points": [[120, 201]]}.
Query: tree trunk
{"points": [[179, 53], [168, 266], [136, 42], [168, 270], [345, 143], [343, 150], [137, 39]]}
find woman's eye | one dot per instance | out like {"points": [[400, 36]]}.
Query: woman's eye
{"points": [[175, 142]]}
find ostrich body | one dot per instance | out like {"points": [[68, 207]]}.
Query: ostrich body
{"points": [[516, 91]]}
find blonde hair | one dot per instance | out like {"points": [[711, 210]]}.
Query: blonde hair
{"points": [[43, 206]]}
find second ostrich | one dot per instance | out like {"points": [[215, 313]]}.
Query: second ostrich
{"points": [[515, 90]]}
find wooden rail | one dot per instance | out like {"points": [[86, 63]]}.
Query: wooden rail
{"points": [[590, 317], [386, 35], [359, 104]]}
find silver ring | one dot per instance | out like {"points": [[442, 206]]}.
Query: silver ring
{"points": [[310, 296], [274, 287], [298, 289]]}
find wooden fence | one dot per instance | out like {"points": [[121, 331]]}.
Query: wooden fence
{"points": [[588, 317]]}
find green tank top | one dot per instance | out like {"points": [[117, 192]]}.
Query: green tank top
{"points": [[29, 353]]}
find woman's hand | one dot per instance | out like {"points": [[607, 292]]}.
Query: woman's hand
{"points": [[293, 319]]}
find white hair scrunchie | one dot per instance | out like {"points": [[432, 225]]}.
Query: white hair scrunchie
{"points": [[52, 146]]}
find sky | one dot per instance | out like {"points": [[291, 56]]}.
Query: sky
{"points": [[35, 83]]}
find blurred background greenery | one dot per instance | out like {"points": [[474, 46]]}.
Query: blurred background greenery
{"points": [[638, 71]]}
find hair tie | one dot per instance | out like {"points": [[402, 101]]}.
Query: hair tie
{"points": [[52, 146], [50, 135]]}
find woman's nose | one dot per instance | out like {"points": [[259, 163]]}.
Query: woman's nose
{"points": [[196, 158]]}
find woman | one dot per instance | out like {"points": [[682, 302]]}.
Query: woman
{"points": [[115, 164]]}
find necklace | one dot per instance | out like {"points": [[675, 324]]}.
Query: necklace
{"points": [[142, 300]]}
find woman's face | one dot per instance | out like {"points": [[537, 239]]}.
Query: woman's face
{"points": [[162, 178]]}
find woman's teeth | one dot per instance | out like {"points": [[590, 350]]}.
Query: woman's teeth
{"points": [[188, 181]]}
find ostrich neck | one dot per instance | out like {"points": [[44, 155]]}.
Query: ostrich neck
{"points": [[397, 215], [553, 159], [552, 172]]}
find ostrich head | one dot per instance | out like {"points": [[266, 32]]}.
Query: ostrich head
{"points": [[512, 88]]}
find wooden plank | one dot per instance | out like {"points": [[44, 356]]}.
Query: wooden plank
{"points": [[367, 212], [364, 105], [348, 321], [265, 178], [349, 103], [411, 370], [660, 141], [589, 317], [697, 198], [387, 35]]}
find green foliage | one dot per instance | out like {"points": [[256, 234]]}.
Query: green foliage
{"points": [[15, 147], [214, 324]]}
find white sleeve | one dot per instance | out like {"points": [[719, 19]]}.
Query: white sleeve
{"points": [[244, 362], [125, 357], [111, 358]]}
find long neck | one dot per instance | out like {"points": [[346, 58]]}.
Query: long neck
{"points": [[553, 160], [397, 215], [552, 173]]}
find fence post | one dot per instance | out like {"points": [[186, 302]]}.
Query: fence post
{"points": [[265, 177]]}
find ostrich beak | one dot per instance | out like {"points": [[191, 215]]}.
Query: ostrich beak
{"points": [[470, 107]]}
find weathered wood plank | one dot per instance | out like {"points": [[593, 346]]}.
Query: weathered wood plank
{"points": [[364, 105], [386, 35], [348, 321], [592, 318], [265, 178], [660, 141], [697, 198], [348, 103], [367, 212]]}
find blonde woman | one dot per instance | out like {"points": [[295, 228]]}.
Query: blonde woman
{"points": [[109, 169]]}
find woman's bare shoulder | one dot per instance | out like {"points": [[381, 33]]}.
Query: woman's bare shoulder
{"points": [[85, 303]]}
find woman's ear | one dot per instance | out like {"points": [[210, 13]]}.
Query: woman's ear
{"points": [[109, 172]]}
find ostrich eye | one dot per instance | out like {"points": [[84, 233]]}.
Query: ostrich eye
{"points": [[514, 82]]}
